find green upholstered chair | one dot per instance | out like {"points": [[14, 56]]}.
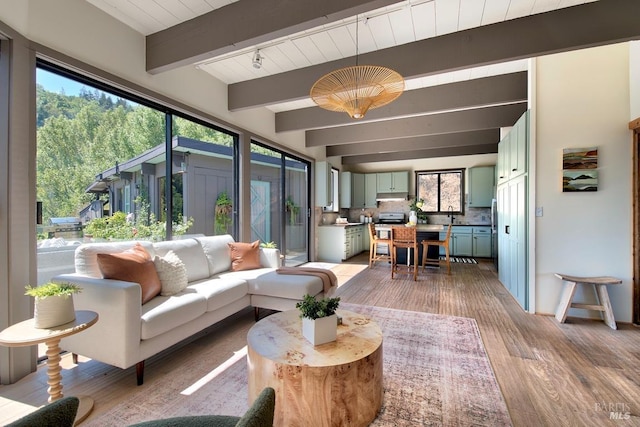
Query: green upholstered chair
{"points": [[60, 413], [260, 414]]}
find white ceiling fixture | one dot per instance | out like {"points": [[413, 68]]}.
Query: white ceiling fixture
{"points": [[257, 60]]}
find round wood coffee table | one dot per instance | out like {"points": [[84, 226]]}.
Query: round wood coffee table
{"points": [[338, 383]]}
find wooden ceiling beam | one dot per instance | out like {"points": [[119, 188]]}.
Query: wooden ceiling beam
{"points": [[587, 25], [485, 91], [418, 143], [244, 24], [422, 154], [434, 124]]}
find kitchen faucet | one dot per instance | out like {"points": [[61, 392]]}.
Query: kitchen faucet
{"points": [[450, 214]]}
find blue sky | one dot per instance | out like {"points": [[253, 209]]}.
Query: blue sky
{"points": [[55, 83]]}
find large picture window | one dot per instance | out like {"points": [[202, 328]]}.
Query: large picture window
{"points": [[442, 191]]}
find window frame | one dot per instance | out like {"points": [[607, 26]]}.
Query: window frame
{"points": [[439, 172], [129, 94]]}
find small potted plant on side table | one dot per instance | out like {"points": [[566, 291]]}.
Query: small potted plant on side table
{"points": [[53, 304], [319, 319]]}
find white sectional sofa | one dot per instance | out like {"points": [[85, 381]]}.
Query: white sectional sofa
{"points": [[129, 332]]}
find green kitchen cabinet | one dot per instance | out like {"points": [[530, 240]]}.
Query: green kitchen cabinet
{"points": [[480, 185]]}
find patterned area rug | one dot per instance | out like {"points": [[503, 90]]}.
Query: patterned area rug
{"points": [[436, 373]]}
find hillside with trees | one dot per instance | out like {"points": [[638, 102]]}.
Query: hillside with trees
{"points": [[81, 136]]}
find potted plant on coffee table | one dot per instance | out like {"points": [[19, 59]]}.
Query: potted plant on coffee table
{"points": [[319, 319], [53, 304]]}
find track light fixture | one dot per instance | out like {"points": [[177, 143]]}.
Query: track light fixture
{"points": [[257, 59]]}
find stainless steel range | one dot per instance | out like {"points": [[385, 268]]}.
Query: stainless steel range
{"points": [[391, 218]]}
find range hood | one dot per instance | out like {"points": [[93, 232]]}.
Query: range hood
{"points": [[391, 197]]}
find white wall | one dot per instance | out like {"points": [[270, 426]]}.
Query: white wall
{"points": [[634, 79], [583, 101]]}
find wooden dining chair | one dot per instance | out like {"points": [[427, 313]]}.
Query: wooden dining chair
{"points": [[374, 241], [436, 262], [404, 238]]}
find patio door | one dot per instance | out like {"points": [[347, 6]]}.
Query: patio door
{"points": [[280, 202], [260, 212]]}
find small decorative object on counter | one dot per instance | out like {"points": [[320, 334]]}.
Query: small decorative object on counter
{"points": [[413, 218], [53, 304], [319, 319]]}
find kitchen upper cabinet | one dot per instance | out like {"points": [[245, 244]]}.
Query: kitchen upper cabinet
{"points": [[347, 189], [512, 151], [357, 190], [481, 184], [519, 144], [502, 172], [370, 190], [324, 184], [393, 182]]}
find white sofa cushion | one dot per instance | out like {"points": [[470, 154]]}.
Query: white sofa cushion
{"points": [[216, 249], [285, 286], [190, 251], [162, 314], [220, 292], [86, 256], [247, 275]]}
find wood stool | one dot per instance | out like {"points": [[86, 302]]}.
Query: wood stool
{"points": [[600, 284]]}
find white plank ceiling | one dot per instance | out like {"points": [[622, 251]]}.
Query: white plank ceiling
{"points": [[394, 25]]}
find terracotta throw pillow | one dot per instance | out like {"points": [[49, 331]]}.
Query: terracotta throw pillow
{"points": [[172, 273], [245, 256], [133, 265]]}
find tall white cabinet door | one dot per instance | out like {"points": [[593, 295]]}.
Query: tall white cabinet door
{"points": [[504, 270], [517, 237]]}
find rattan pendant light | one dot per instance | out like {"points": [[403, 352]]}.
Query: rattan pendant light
{"points": [[358, 89]]}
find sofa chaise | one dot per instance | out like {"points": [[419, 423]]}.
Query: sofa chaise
{"points": [[129, 331]]}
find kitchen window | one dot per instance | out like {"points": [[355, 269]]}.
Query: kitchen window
{"points": [[441, 191]]}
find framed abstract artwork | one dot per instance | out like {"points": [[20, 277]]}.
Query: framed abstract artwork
{"points": [[580, 158], [579, 169], [579, 180]]}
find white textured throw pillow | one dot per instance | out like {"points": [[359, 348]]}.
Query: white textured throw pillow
{"points": [[172, 273]]}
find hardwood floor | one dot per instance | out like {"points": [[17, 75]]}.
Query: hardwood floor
{"points": [[572, 374]]}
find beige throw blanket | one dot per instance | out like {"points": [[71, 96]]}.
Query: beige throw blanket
{"points": [[329, 279]]}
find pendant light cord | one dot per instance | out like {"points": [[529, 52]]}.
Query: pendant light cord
{"points": [[357, 37]]}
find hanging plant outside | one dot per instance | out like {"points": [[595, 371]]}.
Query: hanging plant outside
{"points": [[293, 210], [224, 208]]}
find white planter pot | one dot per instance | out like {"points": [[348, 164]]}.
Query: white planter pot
{"points": [[320, 331], [53, 311]]}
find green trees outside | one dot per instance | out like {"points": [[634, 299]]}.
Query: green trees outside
{"points": [[81, 136]]}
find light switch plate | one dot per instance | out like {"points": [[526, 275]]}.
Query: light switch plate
{"points": [[539, 211]]}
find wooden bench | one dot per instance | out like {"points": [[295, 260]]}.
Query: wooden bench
{"points": [[600, 284]]}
